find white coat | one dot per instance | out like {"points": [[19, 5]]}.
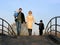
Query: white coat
{"points": [[29, 20]]}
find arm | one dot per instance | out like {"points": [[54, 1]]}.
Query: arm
{"points": [[36, 23], [23, 17], [33, 19], [26, 19], [43, 26]]}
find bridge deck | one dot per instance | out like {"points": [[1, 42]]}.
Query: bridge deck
{"points": [[26, 40]]}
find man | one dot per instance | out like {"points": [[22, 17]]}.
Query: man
{"points": [[20, 18]]}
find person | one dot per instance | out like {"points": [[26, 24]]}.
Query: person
{"points": [[29, 20], [15, 15], [41, 27], [19, 19]]}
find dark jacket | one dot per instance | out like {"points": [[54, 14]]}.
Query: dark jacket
{"points": [[41, 26], [20, 17]]}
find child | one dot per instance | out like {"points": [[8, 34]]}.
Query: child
{"points": [[15, 15], [41, 27]]}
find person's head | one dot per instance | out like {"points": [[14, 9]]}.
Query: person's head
{"points": [[20, 9], [30, 12], [41, 21]]}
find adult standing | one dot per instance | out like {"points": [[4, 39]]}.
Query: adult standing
{"points": [[30, 20], [20, 18]]}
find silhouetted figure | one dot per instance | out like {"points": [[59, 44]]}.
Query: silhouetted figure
{"points": [[41, 27], [30, 20], [19, 19]]}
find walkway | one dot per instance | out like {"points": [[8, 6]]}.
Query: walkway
{"points": [[26, 40]]}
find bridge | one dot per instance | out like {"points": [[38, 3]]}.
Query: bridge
{"points": [[51, 36]]}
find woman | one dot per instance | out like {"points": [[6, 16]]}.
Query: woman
{"points": [[29, 20]]}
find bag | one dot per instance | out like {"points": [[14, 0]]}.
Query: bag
{"points": [[24, 30]]}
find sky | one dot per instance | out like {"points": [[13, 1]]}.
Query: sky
{"points": [[41, 9]]}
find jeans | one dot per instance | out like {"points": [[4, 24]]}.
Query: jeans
{"points": [[18, 25]]}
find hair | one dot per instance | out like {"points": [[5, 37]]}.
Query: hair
{"points": [[20, 8], [30, 12], [41, 21]]}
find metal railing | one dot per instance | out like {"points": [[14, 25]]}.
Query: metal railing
{"points": [[2, 26], [50, 25]]}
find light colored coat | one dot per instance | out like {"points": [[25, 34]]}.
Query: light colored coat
{"points": [[29, 20]]}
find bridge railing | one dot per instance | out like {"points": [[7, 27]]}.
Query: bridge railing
{"points": [[53, 25], [4, 28]]}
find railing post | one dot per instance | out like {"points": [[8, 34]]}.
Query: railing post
{"points": [[8, 29], [50, 26], [2, 26], [56, 26]]}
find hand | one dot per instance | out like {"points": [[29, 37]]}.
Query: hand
{"points": [[35, 23], [24, 22], [15, 20]]}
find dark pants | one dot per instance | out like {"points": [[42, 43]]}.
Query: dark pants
{"points": [[30, 32], [40, 32]]}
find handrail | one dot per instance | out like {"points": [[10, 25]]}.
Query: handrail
{"points": [[6, 28], [54, 30], [12, 32], [6, 32], [49, 26], [52, 19]]}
